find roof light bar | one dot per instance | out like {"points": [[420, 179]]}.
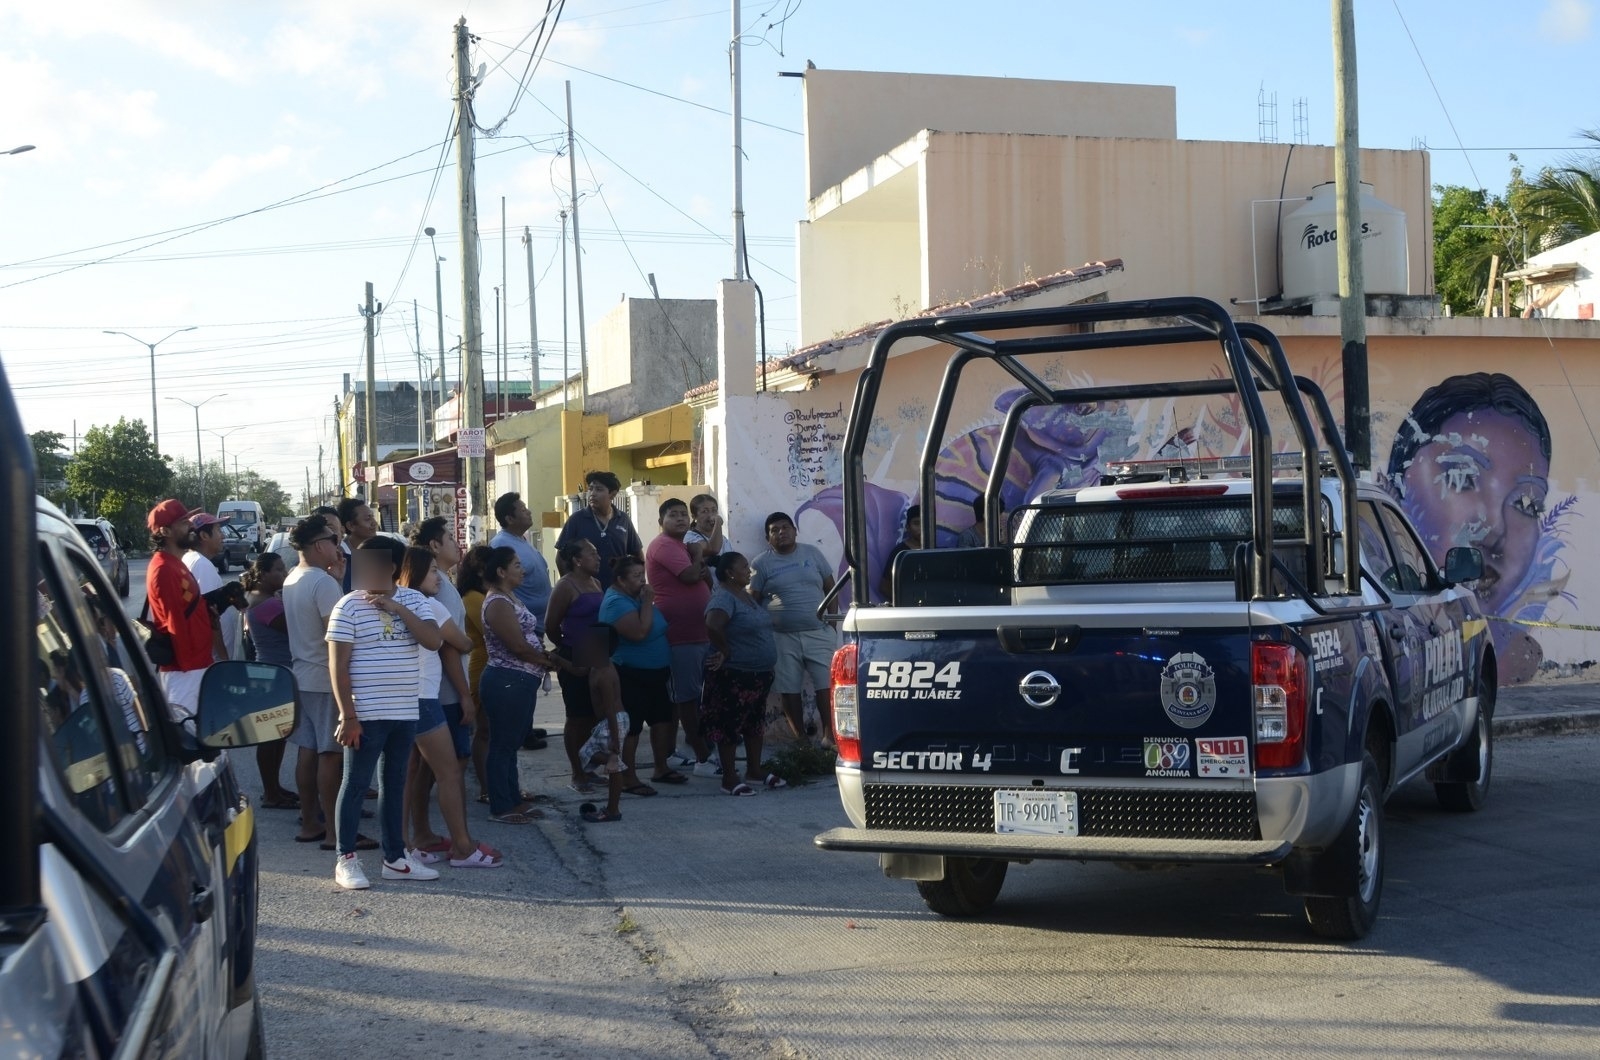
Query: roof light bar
{"points": [[1291, 461]]}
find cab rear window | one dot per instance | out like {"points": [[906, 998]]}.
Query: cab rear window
{"points": [[1147, 540]]}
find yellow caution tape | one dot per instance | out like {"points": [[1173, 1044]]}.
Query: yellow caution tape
{"points": [[1545, 625]]}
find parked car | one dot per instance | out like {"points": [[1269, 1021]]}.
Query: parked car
{"points": [[102, 541], [130, 891], [237, 546]]}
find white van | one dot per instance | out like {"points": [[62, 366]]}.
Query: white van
{"points": [[244, 518]]}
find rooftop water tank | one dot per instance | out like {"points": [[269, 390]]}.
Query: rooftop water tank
{"points": [[1310, 246]]}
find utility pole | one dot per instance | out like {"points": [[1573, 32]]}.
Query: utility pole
{"points": [[471, 311], [438, 302], [499, 362], [533, 311], [577, 260], [370, 311], [738, 150], [503, 316], [422, 377], [309, 505], [1352, 282], [566, 351]]}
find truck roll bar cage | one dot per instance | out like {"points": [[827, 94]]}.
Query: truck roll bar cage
{"points": [[1256, 362]]}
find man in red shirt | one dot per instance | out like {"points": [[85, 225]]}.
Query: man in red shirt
{"points": [[682, 593], [177, 608]]}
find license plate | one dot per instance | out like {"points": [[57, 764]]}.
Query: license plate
{"points": [[1036, 812]]}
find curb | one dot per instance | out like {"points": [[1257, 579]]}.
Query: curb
{"points": [[1551, 724]]}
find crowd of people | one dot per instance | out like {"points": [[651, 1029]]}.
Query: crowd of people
{"points": [[418, 665]]}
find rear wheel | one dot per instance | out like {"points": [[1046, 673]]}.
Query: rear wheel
{"points": [[1467, 796], [969, 887], [122, 587], [1362, 840]]}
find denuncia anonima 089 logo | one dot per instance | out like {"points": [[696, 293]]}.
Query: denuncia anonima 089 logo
{"points": [[1188, 690]]}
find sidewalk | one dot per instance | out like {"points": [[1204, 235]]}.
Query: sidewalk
{"points": [[1566, 705]]}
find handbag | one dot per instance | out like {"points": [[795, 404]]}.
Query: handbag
{"points": [[158, 646]]}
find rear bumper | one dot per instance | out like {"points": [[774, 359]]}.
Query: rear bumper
{"points": [[1078, 848]]}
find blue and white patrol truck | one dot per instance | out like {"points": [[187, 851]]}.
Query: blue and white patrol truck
{"points": [[1195, 660]]}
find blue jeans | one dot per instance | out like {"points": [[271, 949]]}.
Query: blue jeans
{"points": [[390, 742], [507, 698]]}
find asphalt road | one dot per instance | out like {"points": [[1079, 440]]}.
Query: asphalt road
{"points": [[708, 926]]}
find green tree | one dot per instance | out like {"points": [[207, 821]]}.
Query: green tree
{"points": [[1565, 199], [50, 460], [119, 476], [186, 484]]}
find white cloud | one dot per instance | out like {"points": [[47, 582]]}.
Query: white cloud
{"points": [[42, 110], [220, 175], [139, 22], [1566, 21]]}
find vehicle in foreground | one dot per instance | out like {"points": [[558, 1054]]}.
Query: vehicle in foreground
{"points": [[128, 904], [1195, 660]]}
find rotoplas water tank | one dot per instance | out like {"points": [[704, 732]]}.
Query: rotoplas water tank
{"points": [[1311, 249]]}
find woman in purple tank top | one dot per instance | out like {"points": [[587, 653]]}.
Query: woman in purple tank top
{"points": [[570, 621]]}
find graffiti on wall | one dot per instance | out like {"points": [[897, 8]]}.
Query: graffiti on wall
{"points": [[1470, 464], [813, 439]]}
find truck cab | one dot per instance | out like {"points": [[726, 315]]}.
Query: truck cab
{"points": [[1198, 659]]}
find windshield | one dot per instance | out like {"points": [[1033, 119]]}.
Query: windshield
{"points": [[242, 516], [91, 533]]}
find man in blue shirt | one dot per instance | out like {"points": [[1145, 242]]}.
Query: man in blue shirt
{"points": [[603, 524], [515, 520]]}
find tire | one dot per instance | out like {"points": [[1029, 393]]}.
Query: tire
{"points": [[1468, 796], [969, 887], [1352, 917], [257, 1047], [123, 587]]}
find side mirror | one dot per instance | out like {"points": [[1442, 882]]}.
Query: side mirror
{"points": [[245, 703], [1463, 564]]}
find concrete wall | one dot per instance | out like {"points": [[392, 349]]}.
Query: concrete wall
{"points": [[1003, 208], [648, 351], [1577, 296], [860, 271], [853, 116], [1533, 518]]}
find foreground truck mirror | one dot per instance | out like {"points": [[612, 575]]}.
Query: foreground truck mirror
{"points": [[244, 703], [1463, 564]]}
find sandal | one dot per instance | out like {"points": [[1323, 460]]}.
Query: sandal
{"points": [[319, 837], [285, 801], [672, 776], [601, 816], [485, 857], [741, 790], [644, 791], [512, 818], [582, 787], [442, 846], [774, 782], [424, 857]]}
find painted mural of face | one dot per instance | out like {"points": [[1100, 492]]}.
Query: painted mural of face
{"points": [[1481, 481]]}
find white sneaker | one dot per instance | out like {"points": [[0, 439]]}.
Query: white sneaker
{"points": [[406, 869], [709, 768], [681, 759], [348, 873]]}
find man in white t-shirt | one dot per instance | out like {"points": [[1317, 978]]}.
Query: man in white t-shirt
{"points": [[374, 636], [201, 561], [309, 594]]}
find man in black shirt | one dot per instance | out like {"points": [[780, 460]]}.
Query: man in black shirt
{"points": [[603, 524]]}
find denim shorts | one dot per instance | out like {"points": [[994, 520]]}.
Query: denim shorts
{"points": [[460, 733], [429, 715]]}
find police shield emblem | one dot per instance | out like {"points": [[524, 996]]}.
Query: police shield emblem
{"points": [[1188, 690]]}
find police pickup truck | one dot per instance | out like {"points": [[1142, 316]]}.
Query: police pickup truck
{"points": [[128, 898], [1194, 660]]}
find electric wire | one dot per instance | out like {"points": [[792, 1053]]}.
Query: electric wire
{"points": [[1436, 94]]}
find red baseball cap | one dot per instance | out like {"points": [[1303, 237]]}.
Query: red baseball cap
{"points": [[165, 514], [201, 520]]}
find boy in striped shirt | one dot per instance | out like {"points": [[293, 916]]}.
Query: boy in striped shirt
{"points": [[373, 638]]}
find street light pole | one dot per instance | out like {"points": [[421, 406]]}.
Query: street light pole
{"points": [[224, 436], [155, 433], [438, 298], [199, 459]]}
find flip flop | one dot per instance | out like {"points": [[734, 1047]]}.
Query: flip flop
{"points": [[440, 847], [286, 801], [485, 857], [644, 791], [671, 777], [775, 782], [424, 857], [740, 790], [601, 817], [582, 787], [319, 837], [512, 818]]}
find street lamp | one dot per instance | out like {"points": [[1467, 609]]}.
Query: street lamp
{"points": [[224, 436], [20, 150], [199, 460], [438, 296], [155, 434]]}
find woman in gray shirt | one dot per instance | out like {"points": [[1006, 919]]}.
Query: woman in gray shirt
{"points": [[739, 677]]}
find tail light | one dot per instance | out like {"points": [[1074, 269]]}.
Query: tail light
{"points": [[846, 717], [1278, 677]]}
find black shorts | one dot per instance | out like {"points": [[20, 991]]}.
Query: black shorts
{"points": [[575, 694], [646, 696]]}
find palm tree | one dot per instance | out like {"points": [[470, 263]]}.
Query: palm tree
{"points": [[1566, 198]]}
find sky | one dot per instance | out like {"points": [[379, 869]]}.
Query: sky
{"points": [[245, 169]]}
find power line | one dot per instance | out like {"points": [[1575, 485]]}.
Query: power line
{"points": [[1436, 94], [427, 204], [546, 30]]}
